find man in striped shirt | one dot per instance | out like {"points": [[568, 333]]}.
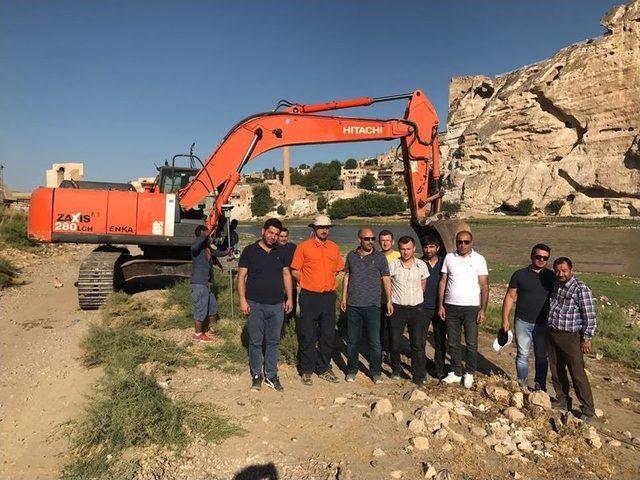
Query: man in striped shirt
{"points": [[571, 326]]}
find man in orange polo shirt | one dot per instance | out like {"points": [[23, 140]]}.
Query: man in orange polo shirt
{"points": [[315, 265]]}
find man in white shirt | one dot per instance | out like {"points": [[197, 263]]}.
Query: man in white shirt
{"points": [[462, 303], [408, 282]]}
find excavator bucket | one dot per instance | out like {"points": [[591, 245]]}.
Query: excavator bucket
{"points": [[445, 228]]}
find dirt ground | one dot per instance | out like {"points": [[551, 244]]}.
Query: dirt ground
{"points": [[322, 431]]}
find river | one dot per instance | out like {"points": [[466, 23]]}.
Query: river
{"points": [[603, 250]]}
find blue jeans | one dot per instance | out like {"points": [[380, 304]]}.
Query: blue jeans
{"points": [[369, 319], [526, 334], [264, 325]]}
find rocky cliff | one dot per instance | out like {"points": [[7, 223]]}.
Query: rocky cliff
{"points": [[567, 128]]}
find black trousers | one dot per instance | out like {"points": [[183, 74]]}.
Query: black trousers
{"points": [[439, 339], [564, 353], [385, 333], [459, 318], [316, 331], [414, 318]]}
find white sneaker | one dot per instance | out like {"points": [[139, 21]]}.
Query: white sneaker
{"points": [[468, 380], [452, 378]]}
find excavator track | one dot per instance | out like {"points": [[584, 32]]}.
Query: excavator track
{"points": [[96, 278]]}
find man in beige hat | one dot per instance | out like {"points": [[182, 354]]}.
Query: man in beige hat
{"points": [[315, 265]]}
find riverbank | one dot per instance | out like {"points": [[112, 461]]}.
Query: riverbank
{"points": [[493, 220]]}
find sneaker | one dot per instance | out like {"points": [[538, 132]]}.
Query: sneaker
{"points": [[377, 379], [306, 379], [201, 337], [274, 382], [256, 383], [329, 376], [468, 380], [452, 378], [396, 375], [350, 377]]}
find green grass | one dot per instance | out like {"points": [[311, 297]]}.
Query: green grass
{"points": [[289, 344], [123, 348], [230, 356], [129, 410], [13, 230], [8, 273], [121, 310], [564, 222]]}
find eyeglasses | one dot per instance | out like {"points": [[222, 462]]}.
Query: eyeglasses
{"points": [[463, 242], [541, 257], [368, 239]]}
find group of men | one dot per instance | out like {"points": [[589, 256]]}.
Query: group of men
{"points": [[386, 291]]}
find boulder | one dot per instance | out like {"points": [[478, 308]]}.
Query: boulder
{"points": [[416, 425], [539, 399], [479, 432], [378, 452], [415, 396], [513, 414], [434, 417], [592, 438], [382, 407], [420, 443], [517, 400], [399, 416], [497, 393]]}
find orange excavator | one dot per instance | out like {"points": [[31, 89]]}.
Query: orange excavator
{"points": [[161, 219]]}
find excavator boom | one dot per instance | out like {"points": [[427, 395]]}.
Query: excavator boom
{"points": [[301, 125]]}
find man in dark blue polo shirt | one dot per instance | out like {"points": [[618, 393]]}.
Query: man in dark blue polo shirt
{"points": [[263, 280], [530, 288], [431, 249], [289, 249], [364, 268]]}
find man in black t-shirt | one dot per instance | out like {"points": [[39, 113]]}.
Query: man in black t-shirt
{"points": [[530, 288], [263, 281], [289, 249]]}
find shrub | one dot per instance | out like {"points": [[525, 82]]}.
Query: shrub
{"points": [[13, 230], [289, 343], [525, 207], [367, 205], [554, 206], [321, 204], [281, 210], [8, 273], [261, 203], [368, 182], [450, 207]]}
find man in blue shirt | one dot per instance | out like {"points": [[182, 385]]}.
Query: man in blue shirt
{"points": [[431, 249], [205, 307]]}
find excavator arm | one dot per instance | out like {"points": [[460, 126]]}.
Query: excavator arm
{"points": [[301, 125]]}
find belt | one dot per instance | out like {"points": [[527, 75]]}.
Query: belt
{"points": [[316, 293]]}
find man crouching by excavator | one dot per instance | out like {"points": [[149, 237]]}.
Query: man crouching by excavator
{"points": [[205, 307]]}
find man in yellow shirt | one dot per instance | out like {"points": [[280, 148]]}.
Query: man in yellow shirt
{"points": [[385, 238]]}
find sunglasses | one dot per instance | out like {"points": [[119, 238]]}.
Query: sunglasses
{"points": [[541, 257], [463, 242], [368, 239]]}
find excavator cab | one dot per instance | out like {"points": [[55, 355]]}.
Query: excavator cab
{"points": [[171, 179]]}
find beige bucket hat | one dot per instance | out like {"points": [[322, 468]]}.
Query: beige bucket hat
{"points": [[322, 221]]}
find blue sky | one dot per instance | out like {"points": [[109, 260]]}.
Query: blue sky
{"points": [[119, 85]]}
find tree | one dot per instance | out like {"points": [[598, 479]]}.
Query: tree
{"points": [[303, 166], [261, 203], [450, 207], [321, 204], [368, 182], [350, 164], [281, 210]]}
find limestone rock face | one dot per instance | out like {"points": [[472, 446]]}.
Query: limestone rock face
{"points": [[567, 128]]}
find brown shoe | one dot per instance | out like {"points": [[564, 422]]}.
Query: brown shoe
{"points": [[329, 376]]}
